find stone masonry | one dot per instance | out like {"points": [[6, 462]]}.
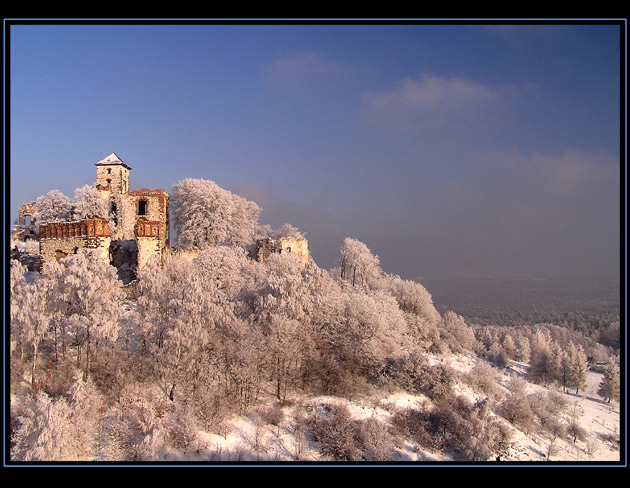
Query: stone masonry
{"points": [[267, 246], [141, 228], [59, 239]]}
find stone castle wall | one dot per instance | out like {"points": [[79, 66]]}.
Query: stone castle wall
{"points": [[267, 246], [141, 219], [60, 239], [152, 205]]}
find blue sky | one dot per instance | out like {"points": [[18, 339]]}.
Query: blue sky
{"points": [[455, 150]]}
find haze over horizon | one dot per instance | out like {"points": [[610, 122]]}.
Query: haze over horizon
{"points": [[449, 150]]}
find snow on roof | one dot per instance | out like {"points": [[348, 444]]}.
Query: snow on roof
{"points": [[112, 159]]}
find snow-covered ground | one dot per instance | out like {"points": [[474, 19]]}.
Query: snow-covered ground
{"points": [[600, 420], [247, 439]]}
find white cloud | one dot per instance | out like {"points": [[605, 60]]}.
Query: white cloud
{"points": [[430, 101]]}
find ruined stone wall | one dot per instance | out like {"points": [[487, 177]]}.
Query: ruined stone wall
{"points": [[148, 237], [27, 210], [264, 247], [299, 247], [56, 249], [152, 205], [267, 246], [26, 228], [148, 247], [59, 239]]}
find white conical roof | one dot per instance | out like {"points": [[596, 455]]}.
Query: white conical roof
{"points": [[112, 159]]}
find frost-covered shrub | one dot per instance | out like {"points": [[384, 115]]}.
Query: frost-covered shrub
{"points": [[344, 438], [404, 371], [336, 433], [516, 409], [181, 430], [436, 381], [462, 429], [375, 440], [273, 415], [483, 379]]}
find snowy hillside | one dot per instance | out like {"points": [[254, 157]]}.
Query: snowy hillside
{"points": [[254, 438], [214, 356]]}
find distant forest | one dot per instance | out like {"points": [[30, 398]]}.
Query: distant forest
{"points": [[593, 309]]}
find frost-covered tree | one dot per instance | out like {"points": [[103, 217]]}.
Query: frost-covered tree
{"points": [[573, 369], [52, 206], [91, 292], [226, 266], [19, 309], [523, 350], [457, 334], [283, 289], [42, 432], [359, 266], [203, 354], [196, 326], [90, 201], [609, 388], [32, 311], [516, 407], [59, 429], [543, 363], [285, 340], [178, 310], [413, 298], [286, 230], [509, 346], [41, 299], [160, 286], [206, 215], [574, 429]]}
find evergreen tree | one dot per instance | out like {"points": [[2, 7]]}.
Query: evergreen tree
{"points": [[609, 388], [578, 367], [543, 364]]}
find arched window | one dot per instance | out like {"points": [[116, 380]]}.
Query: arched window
{"points": [[142, 207]]}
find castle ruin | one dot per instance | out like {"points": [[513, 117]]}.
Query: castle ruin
{"points": [[135, 230], [140, 221], [267, 246]]}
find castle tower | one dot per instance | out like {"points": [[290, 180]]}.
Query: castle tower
{"points": [[112, 174]]}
